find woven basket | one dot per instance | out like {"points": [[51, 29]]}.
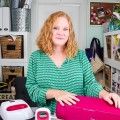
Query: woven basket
{"points": [[11, 72], [12, 48]]}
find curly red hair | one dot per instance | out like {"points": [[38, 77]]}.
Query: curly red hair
{"points": [[44, 39]]}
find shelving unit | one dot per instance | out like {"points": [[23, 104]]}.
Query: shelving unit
{"points": [[112, 60], [15, 65], [16, 61]]}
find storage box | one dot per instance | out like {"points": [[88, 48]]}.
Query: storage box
{"points": [[116, 80], [89, 108], [108, 43], [7, 96], [12, 48], [9, 73], [118, 88], [5, 19], [3, 87], [107, 75], [117, 54]]}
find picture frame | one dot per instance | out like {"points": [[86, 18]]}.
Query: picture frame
{"points": [[100, 12]]}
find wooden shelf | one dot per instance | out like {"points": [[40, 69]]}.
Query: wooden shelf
{"points": [[112, 74]]}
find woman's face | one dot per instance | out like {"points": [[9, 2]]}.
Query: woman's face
{"points": [[60, 32]]}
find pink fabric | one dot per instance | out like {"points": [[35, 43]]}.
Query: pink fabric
{"points": [[89, 108]]}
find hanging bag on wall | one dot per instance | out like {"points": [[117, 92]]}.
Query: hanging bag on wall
{"points": [[95, 55]]}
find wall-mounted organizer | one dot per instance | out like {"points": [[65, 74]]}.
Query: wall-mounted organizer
{"points": [[14, 54], [112, 60]]}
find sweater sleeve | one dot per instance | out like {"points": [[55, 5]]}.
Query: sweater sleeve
{"points": [[91, 86], [36, 93]]}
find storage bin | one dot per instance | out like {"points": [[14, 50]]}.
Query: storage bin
{"points": [[21, 19], [9, 73], [6, 96], [12, 48], [14, 3]]}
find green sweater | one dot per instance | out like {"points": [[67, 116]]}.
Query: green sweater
{"points": [[75, 75]]}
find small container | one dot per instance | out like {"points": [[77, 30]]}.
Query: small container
{"points": [[21, 19], [42, 114]]}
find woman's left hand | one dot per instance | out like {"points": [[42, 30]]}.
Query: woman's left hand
{"points": [[111, 98]]}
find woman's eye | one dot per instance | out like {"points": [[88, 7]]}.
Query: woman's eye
{"points": [[65, 29], [55, 28]]}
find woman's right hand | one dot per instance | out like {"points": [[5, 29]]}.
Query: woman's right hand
{"points": [[63, 97]]}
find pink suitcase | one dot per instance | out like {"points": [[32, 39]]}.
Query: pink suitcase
{"points": [[89, 108]]}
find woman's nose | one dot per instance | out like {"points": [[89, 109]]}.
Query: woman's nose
{"points": [[60, 31]]}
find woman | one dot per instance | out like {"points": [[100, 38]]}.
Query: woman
{"points": [[59, 71]]}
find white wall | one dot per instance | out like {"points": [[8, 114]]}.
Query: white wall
{"points": [[75, 8], [79, 10]]}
